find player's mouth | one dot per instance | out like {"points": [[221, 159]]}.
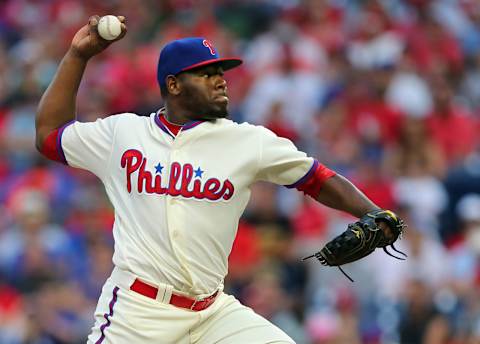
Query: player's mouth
{"points": [[221, 98]]}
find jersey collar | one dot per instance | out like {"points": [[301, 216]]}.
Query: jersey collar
{"points": [[170, 128]]}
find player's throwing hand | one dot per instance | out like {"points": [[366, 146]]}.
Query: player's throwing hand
{"points": [[87, 42]]}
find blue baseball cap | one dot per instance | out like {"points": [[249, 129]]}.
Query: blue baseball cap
{"points": [[188, 53]]}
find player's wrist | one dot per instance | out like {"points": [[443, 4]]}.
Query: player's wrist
{"points": [[75, 55], [371, 211]]}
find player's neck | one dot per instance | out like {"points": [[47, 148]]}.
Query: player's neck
{"points": [[176, 116], [168, 122]]}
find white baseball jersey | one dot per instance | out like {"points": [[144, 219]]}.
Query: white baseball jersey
{"points": [[178, 199]]}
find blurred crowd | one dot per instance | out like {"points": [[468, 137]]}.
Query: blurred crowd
{"points": [[386, 92]]}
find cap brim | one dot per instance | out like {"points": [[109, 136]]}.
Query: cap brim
{"points": [[225, 63]]}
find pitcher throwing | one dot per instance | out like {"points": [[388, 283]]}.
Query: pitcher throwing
{"points": [[179, 181]]}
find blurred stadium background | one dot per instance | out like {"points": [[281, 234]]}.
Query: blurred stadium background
{"points": [[385, 92]]}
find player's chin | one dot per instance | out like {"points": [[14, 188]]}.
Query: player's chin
{"points": [[218, 111]]}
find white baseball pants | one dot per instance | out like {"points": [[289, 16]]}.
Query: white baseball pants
{"points": [[124, 316]]}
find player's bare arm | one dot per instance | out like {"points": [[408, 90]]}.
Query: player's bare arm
{"points": [[376, 228], [57, 105], [339, 193]]}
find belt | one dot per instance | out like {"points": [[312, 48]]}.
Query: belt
{"points": [[175, 300], [160, 291]]}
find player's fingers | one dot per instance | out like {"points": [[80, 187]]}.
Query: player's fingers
{"points": [[80, 35], [83, 30], [92, 23], [122, 19], [123, 33], [387, 231]]}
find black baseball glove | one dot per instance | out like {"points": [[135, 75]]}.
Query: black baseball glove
{"points": [[362, 238]]}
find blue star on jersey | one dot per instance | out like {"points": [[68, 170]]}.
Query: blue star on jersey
{"points": [[158, 168], [198, 172]]}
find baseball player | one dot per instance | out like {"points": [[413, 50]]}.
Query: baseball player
{"points": [[179, 181]]}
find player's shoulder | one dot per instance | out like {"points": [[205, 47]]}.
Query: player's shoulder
{"points": [[124, 117], [128, 120], [244, 127], [255, 131], [127, 117], [108, 123], [237, 131]]}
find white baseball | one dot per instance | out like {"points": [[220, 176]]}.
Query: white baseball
{"points": [[109, 27]]}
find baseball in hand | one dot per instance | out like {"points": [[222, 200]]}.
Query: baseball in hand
{"points": [[109, 27]]}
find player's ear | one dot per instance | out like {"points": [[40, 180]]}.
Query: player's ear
{"points": [[173, 85]]}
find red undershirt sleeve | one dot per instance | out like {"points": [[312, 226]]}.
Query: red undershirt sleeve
{"points": [[52, 146], [312, 182]]}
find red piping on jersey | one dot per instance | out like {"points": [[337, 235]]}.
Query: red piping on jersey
{"points": [[311, 183]]}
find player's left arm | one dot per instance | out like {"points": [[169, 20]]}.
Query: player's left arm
{"points": [[376, 228], [280, 162], [338, 192]]}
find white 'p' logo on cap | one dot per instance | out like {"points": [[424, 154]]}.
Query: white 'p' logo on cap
{"points": [[209, 45]]}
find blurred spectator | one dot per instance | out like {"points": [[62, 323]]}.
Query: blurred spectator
{"points": [[427, 261], [461, 18], [12, 313], [337, 323], [465, 254], [450, 125], [376, 45], [324, 328], [310, 223], [466, 250], [376, 185], [336, 143], [414, 153], [19, 134], [432, 48], [33, 251], [419, 167], [469, 84], [420, 321], [324, 20], [371, 119], [288, 88], [263, 294], [57, 313], [244, 258], [424, 194], [407, 83]]}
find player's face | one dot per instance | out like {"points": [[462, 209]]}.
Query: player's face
{"points": [[204, 93]]}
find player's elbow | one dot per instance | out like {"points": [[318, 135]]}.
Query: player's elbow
{"points": [[47, 143], [42, 130], [39, 132], [39, 139], [43, 126], [41, 135]]}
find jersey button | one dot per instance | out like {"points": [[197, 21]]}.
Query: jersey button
{"points": [[176, 234]]}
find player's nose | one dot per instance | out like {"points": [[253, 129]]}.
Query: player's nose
{"points": [[220, 82]]}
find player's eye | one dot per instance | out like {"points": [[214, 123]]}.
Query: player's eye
{"points": [[203, 74]]}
